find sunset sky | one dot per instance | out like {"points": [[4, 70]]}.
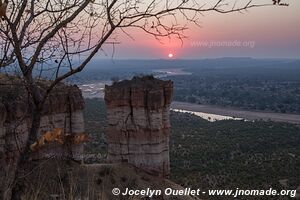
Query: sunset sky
{"points": [[268, 32]]}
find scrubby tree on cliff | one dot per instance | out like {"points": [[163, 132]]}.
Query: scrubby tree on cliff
{"points": [[58, 38]]}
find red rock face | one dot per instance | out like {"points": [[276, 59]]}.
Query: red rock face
{"points": [[138, 123]]}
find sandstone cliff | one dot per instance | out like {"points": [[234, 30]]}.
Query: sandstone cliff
{"points": [[138, 123], [63, 110]]}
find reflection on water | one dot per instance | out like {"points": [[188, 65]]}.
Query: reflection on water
{"points": [[207, 116], [162, 73]]}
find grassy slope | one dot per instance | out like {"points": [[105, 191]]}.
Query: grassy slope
{"points": [[56, 179]]}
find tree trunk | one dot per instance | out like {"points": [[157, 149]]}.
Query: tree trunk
{"points": [[22, 162]]}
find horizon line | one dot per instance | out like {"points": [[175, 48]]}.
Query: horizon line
{"points": [[195, 59]]}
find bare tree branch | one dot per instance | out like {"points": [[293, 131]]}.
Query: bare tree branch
{"points": [[62, 37]]}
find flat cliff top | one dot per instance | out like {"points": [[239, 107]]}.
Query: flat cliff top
{"points": [[15, 101], [8, 82], [146, 82], [145, 91]]}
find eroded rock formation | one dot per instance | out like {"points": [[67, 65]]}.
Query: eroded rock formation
{"points": [[62, 110], [138, 123]]}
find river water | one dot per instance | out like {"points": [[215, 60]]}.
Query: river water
{"points": [[208, 116]]}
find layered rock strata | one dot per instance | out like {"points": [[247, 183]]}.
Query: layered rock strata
{"points": [[138, 123], [63, 109]]}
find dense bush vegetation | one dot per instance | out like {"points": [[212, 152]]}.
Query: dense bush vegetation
{"points": [[270, 88], [234, 154], [259, 84], [224, 154], [95, 123]]}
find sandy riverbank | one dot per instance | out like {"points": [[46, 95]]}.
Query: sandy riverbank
{"points": [[249, 115]]}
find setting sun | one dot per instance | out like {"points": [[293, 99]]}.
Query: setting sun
{"points": [[170, 55]]}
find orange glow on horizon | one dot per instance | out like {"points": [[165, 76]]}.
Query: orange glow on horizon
{"points": [[267, 32]]}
